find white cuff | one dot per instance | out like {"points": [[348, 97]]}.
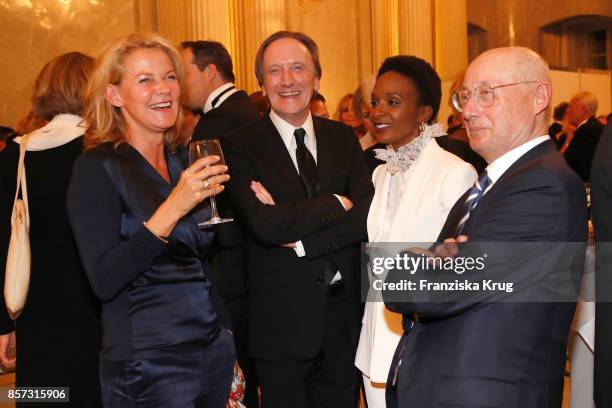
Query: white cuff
{"points": [[299, 249], [339, 199]]}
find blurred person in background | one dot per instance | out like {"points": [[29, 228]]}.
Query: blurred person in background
{"points": [[318, 106], [58, 334], [603, 119], [582, 143], [209, 85], [555, 129], [345, 114], [6, 135], [190, 120], [362, 108], [29, 123]]}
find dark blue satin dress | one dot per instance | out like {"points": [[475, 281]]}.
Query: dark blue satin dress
{"points": [[164, 344]]}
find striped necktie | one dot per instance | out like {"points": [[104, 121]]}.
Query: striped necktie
{"points": [[474, 195]]}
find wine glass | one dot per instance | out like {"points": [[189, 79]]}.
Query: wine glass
{"points": [[202, 148]]}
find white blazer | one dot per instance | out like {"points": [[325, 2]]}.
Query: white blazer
{"points": [[436, 180]]}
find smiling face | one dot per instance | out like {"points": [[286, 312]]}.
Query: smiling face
{"points": [[148, 94], [348, 117], [576, 112], [289, 79], [318, 108], [366, 112], [395, 112]]}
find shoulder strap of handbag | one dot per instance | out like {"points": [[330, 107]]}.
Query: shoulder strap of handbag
{"points": [[21, 181]]}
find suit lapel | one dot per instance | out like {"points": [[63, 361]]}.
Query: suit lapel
{"points": [[456, 213], [325, 153], [275, 151], [540, 150]]}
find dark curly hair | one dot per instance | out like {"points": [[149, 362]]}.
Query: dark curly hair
{"points": [[422, 74]]}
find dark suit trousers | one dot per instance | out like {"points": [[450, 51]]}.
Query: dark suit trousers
{"points": [[194, 377], [329, 380]]}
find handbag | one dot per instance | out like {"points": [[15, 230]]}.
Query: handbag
{"points": [[18, 261]]}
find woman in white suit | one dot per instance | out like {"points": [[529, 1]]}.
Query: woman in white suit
{"points": [[415, 190]]}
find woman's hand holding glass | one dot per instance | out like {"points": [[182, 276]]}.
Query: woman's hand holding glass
{"points": [[199, 181]]}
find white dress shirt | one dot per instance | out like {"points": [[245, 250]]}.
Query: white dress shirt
{"points": [[286, 129], [499, 166], [208, 105]]}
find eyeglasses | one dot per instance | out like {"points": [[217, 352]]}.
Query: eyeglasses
{"points": [[484, 94]]}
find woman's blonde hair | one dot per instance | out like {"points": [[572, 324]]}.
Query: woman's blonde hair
{"points": [[342, 105], [106, 122], [60, 85]]}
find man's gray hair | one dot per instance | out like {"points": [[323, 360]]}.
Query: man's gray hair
{"points": [[588, 100]]}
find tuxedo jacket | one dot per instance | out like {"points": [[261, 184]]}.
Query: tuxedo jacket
{"points": [[286, 292], [580, 152], [508, 354], [227, 251], [601, 197], [236, 111]]}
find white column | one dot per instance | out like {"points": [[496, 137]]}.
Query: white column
{"points": [[451, 42]]}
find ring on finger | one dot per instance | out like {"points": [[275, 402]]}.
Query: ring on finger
{"points": [[206, 184]]}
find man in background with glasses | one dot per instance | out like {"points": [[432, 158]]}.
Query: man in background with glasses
{"points": [[508, 349]]}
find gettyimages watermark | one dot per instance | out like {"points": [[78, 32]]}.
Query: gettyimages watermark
{"points": [[478, 272], [412, 263]]}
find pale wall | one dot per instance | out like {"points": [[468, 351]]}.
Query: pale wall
{"points": [[517, 22], [334, 25], [341, 28], [34, 31], [566, 84]]}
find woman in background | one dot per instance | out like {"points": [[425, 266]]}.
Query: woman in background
{"points": [[362, 108], [345, 114], [135, 210], [58, 333], [414, 191]]}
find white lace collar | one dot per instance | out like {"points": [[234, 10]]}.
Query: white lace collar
{"points": [[403, 158]]}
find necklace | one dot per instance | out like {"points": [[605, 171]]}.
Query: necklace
{"points": [[403, 158]]}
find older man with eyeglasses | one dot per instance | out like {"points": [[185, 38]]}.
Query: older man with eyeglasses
{"points": [[499, 349]]}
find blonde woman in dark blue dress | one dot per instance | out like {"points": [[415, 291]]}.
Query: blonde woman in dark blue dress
{"points": [[135, 208]]}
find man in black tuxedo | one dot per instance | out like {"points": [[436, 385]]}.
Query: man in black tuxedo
{"points": [[581, 149], [499, 349], [301, 187], [601, 198], [209, 87]]}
